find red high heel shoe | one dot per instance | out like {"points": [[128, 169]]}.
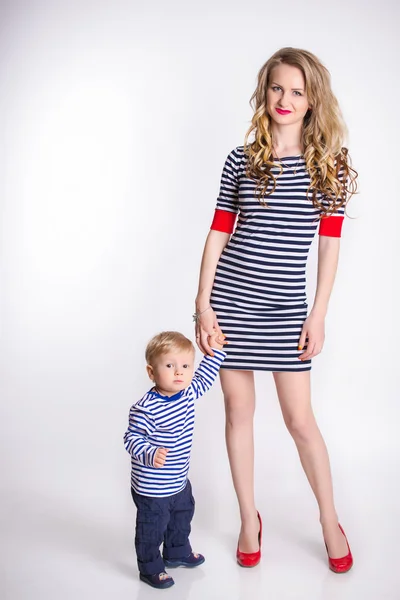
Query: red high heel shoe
{"points": [[342, 564], [250, 559]]}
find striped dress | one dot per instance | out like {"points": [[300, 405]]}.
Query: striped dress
{"points": [[259, 291], [158, 421]]}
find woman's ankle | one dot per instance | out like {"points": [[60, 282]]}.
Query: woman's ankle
{"points": [[248, 516], [329, 520]]}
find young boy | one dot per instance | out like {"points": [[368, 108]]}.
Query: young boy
{"points": [[159, 440]]}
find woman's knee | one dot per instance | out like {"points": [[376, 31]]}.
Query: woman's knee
{"points": [[239, 410], [301, 428], [239, 397]]}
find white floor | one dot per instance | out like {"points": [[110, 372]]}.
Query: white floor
{"points": [[76, 549]]}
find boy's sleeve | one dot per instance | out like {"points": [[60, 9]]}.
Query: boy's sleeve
{"points": [[206, 373], [141, 425]]}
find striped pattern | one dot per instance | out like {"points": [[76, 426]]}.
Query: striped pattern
{"points": [[259, 292], [166, 421]]}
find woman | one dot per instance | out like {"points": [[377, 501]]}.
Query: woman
{"points": [[293, 178]]}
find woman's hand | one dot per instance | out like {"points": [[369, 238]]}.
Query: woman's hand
{"points": [[314, 331], [207, 325]]}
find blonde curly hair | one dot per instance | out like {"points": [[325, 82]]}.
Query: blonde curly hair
{"points": [[327, 160]]}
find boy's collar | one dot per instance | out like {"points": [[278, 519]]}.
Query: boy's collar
{"points": [[176, 396]]}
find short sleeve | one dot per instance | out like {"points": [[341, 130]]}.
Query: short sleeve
{"points": [[229, 188], [331, 225], [228, 199]]}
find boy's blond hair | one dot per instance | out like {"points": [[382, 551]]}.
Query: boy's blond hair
{"points": [[167, 341]]}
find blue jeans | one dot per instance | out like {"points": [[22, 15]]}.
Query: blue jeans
{"points": [[162, 520]]}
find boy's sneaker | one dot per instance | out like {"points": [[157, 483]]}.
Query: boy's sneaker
{"points": [[159, 580], [193, 560]]}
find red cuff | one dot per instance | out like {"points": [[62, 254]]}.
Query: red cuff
{"points": [[331, 226], [223, 221]]}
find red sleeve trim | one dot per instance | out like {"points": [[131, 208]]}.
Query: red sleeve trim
{"points": [[224, 220], [331, 226]]}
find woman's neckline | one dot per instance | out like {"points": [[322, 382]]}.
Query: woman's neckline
{"points": [[293, 157]]}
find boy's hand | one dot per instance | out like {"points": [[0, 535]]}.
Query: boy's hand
{"points": [[216, 340], [160, 457]]}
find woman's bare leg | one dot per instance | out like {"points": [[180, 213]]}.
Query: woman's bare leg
{"points": [[295, 399], [239, 395]]}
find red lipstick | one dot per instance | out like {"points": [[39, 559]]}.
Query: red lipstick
{"points": [[280, 111]]}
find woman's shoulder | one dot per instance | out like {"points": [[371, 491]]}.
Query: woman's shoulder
{"points": [[238, 152], [237, 156]]}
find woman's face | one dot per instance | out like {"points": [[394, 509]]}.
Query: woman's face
{"points": [[287, 101]]}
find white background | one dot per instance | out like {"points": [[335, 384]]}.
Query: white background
{"points": [[118, 117]]}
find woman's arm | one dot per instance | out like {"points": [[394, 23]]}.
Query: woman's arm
{"points": [[314, 325], [222, 227], [215, 243], [328, 257]]}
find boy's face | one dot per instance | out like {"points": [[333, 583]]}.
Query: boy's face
{"points": [[172, 372]]}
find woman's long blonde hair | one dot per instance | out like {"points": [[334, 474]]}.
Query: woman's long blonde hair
{"points": [[323, 134]]}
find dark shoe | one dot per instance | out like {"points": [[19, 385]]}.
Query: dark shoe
{"points": [[193, 560], [159, 580]]}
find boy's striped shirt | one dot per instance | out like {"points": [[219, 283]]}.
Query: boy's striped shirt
{"points": [[158, 421]]}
